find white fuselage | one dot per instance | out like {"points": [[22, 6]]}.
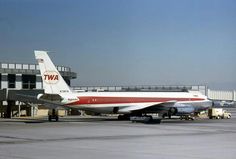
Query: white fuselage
{"points": [[105, 102], [108, 102]]}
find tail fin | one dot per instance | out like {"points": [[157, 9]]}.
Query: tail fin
{"points": [[53, 83]]}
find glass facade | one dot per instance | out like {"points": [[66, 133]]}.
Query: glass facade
{"points": [[28, 81], [11, 80], [26, 76]]}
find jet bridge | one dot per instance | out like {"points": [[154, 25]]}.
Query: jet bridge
{"points": [[11, 98]]}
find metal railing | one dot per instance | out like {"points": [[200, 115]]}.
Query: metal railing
{"points": [[19, 66]]}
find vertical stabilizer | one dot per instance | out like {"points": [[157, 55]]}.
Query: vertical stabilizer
{"points": [[53, 83]]}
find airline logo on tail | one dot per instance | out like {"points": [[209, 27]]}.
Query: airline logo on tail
{"points": [[51, 77]]}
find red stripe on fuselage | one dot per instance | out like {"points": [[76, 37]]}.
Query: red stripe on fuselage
{"points": [[121, 100]]}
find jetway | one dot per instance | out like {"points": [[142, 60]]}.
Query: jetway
{"points": [[143, 88], [12, 98], [211, 94], [221, 95]]}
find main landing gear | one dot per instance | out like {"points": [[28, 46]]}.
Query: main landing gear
{"points": [[182, 117], [187, 117], [136, 117], [143, 119], [166, 115], [53, 114]]}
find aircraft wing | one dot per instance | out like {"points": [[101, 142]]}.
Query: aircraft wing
{"points": [[44, 101], [28, 98], [145, 106]]}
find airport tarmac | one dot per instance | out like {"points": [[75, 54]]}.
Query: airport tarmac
{"points": [[106, 138]]}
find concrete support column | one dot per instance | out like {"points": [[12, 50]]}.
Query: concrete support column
{"points": [[208, 93], [9, 109], [19, 109], [4, 82], [39, 84], [18, 81], [34, 110], [1, 110]]}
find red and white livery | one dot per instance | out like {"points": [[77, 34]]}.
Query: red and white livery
{"points": [[58, 93]]}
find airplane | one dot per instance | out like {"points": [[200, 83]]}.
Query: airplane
{"points": [[127, 104], [223, 103]]}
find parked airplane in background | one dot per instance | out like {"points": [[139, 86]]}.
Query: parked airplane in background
{"points": [[223, 103], [58, 94]]}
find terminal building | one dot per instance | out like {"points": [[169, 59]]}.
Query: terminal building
{"points": [[15, 78]]}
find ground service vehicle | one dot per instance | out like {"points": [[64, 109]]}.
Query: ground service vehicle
{"points": [[218, 113]]}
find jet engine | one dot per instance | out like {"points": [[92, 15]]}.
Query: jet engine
{"points": [[181, 109], [49, 97], [39, 96]]}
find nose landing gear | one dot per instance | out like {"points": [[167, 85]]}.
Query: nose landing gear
{"points": [[53, 114]]}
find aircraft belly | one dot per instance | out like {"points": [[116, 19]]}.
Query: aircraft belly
{"points": [[99, 108]]}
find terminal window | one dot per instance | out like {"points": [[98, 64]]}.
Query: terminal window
{"points": [[11, 81], [28, 81], [67, 80]]}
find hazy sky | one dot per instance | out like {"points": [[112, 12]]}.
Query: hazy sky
{"points": [[126, 42]]}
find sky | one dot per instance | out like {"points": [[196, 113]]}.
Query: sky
{"points": [[126, 42]]}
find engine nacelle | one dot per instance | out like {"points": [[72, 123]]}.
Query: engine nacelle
{"points": [[39, 96], [182, 110], [49, 97]]}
